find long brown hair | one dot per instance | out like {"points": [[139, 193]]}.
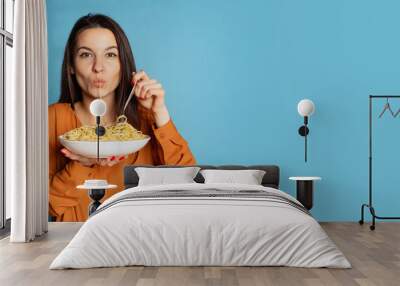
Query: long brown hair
{"points": [[70, 90]]}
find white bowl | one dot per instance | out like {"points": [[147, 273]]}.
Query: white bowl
{"points": [[106, 148]]}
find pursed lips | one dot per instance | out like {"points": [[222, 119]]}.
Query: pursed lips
{"points": [[99, 82]]}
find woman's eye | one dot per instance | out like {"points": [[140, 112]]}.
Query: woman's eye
{"points": [[84, 55], [111, 55]]}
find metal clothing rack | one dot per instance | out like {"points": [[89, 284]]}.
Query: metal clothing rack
{"points": [[370, 205]]}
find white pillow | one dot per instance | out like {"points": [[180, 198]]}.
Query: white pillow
{"points": [[249, 177], [162, 176]]}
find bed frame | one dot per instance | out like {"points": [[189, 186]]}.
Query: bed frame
{"points": [[270, 179]]}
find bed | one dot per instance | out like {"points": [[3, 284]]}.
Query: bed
{"points": [[198, 224]]}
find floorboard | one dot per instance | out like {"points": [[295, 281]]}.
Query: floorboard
{"points": [[374, 255]]}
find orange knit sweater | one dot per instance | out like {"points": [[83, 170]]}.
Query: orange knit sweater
{"points": [[66, 202]]}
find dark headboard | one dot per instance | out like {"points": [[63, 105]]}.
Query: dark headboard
{"points": [[270, 179]]}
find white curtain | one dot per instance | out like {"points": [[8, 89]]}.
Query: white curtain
{"points": [[26, 131]]}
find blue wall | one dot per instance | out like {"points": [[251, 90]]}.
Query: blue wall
{"points": [[234, 71]]}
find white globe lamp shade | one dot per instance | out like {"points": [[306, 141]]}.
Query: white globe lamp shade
{"points": [[98, 107], [305, 107]]}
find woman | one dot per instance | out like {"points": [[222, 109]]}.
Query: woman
{"points": [[98, 62]]}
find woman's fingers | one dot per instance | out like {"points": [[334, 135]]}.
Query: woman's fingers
{"points": [[148, 90], [69, 154], [158, 92], [140, 86], [83, 160], [115, 158], [110, 161], [139, 76]]}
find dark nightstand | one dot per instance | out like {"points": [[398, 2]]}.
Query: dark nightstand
{"points": [[304, 190], [96, 191]]}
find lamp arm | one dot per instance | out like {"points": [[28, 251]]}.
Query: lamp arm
{"points": [[100, 131], [98, 137], [305, 148]]}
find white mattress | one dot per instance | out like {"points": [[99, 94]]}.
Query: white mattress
{"points": [[200, 231]]}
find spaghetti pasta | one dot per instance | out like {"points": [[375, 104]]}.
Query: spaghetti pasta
{"points": [[121, 131]]}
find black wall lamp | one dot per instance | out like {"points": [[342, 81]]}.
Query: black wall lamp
{"points": [[305, 108], [98, 108]]}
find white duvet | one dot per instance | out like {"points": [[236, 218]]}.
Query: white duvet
{"points": [[200, 231]]}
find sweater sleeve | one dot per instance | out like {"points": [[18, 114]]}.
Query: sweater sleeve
{"points": [[169, 148], [63, 178], [172, 148]]}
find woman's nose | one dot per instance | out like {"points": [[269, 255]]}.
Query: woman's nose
{"points": [[98, 65]]}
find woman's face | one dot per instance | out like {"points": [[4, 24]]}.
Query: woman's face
{"points": [[96, 62]]}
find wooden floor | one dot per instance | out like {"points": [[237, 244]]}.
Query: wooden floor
{"points": [[374, 255]]}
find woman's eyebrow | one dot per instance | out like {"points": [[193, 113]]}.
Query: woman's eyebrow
{"points": [[83, 47], [86, 48], [112, 47]]}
